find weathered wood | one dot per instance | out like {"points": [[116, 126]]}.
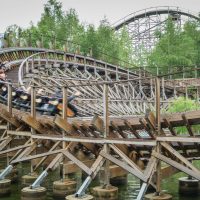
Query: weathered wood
{"points": [[124, 166], [77, 162], [177, 165]]}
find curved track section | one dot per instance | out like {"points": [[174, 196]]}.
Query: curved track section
{"points": [[143, 24], [49, 70]]}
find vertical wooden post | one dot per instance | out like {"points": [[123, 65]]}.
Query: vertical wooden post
{"points": [[9, 103], [158, 126], [186, 92], [64, 116], [9, 109], [33, 113], [106, 133]]}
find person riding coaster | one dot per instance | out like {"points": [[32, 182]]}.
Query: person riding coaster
{"points": [[54, 105]]}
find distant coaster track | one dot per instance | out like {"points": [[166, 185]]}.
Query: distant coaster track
{"points": [[143, 24]]}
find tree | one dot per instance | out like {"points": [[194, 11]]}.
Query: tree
{"points": [[176, 48], [183, 105]]}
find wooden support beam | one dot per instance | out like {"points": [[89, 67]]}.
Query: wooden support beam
{"points": [[19, 133], [36, 156], [14, 149], [146, 127], [179, 156], [187, 124], [78, 162], [124, 166], [177, 165], [138, 142], [187, 139], [125, 158], [9, 117], [44, 158], [134, 132], [66, 126], [5, 143]]}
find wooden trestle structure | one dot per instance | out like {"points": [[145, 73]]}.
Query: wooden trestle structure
{"points": [[108, 131]]}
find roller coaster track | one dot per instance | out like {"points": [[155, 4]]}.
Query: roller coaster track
{"points": [[110, 97], [44, 68], [143, 24]]}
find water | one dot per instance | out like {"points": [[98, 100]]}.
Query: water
{"points": [[126, 192]]}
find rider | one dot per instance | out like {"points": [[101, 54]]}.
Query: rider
{"points": [[58, 94], [2, 71]]}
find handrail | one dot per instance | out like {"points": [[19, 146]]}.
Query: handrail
{"points": [[21, 69]]}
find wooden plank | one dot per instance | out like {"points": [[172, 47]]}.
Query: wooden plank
{"points": [[36, 156], [3, 127], [177, 165], [139, 142], [179, 156], [187, 139], [97, 122], [14, 149], [78, 162], [44, 158], [125, 158], [189, 128], [124, 166], [19, 133], [66, 126]]}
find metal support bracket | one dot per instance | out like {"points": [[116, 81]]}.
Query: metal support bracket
{"points": [[142, 192], [39, 180], [83, 187], [6, 171]]}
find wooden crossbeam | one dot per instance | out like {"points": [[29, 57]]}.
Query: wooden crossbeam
{"points": [[9, 117], [179, 156], [139, 142], [19, 133], [177, 165], [45, 157], [5, 143], [188, 139], [14, 149], [36, 156], [187, 124], [78, 162], [124, 166], [133, 131], [125, 158], [66, 126]]}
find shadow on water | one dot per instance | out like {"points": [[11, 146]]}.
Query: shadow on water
{"points": [[128, 191]]}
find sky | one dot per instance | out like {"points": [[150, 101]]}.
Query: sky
{"points": [[22, 12]]}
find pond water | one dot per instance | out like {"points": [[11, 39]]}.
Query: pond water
{"points": [[126, 192]]}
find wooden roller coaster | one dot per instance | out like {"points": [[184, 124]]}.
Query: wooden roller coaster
{"points": [[118, 125]]}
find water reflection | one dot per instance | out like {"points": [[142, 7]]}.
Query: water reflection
{"points": [[128, 191]]}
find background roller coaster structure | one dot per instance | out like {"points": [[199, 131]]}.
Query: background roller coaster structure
{"points": [[111, 100]]}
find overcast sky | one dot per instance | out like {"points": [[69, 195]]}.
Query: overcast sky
{"points": [[21, 12]]}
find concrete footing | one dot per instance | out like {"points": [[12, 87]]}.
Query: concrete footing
{"points": [[153, 196], [85, 197], [62, 188], [5, 187], [188, 186], [107, 193], [27, 180], [37, 194]]}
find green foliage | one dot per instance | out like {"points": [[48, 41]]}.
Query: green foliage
{"points": [[58, 28], [176, 48], [183, 105]]}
